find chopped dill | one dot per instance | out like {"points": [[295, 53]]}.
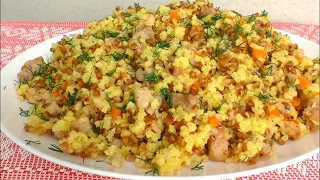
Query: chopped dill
{"points": [[109, 100], [216, 109], [198, 166], [264, 97], [71, 98], [32, 142], [151, 77], [264, 13], [291, 85], [24, 113], [110, 73], [118, 56], [55, 148], [122, 38], [154, 170], [85, 57], [166, 95]]}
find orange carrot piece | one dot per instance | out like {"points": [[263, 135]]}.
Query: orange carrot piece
{"points": [[316, 94], [174, 15], [299, 58], [54, 92], [258, 53], [241, 21], [115, 112], [69, 61], [213, 121], [304, 82], [275, 112], [295, 102], [195, 52], [168, 120]]}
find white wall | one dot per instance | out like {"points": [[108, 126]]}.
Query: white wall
{"points": [[296, 11]]}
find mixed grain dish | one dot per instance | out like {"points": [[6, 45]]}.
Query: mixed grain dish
{"points": [[169, 88]]}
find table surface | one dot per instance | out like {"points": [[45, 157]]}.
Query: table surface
{"points": [[17, 163]]}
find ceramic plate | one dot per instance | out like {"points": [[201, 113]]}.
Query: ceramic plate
{"points": [[12, 125]]}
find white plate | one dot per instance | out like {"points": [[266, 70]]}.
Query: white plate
{"points": [[12, 125]]}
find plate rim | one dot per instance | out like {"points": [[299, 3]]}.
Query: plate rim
{"points": [[90, 170]]}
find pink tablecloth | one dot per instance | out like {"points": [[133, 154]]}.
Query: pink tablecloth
{"points": [[17, 163]]}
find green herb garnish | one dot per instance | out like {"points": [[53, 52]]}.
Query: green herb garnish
{"points": [[71, 99], [252, 18], [151, 77], [32, 142], [124, 38], [291, 85], [55, 148], [216, 109], [24, 113], [131, 97], [198, 166], [264, 97], [118, 56], [105, 34], [111, 72], [154, 170], [109, 100], [166, 95], [264, 13], [85, 57], [216, 17]]}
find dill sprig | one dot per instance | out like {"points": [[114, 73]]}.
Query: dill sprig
{"points": [[117, 56], [291, 85], [161, 45], [131, 97], [267, 72], [99, 160], [24, 113], [109, 100], [72, 98], [85, 57], [278, 39], [252, 18], [55, 148], [105, 34], [216, 109], [216, 17], [32, 142], [154, 170], [187, 22], [124, 38], [40, 115], [198, 166], [264, 97], [110, 73], [151, 77], [264, 13], [166, 95]]}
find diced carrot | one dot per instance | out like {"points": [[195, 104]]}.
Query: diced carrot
{"points": [[299, 58], [241, 21], [304, 82], [275, 112], [54, 92], [69, 61], [115, 112], [64, 85], [286, 118], [57, 77], [174, 15], [168, 120], [80, 83], [195, 52], [316, 94], [213, 121], [258, 53], [194, 89], [295, 102]]}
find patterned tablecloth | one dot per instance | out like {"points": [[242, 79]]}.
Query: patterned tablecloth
{"points": [[17, 163]]}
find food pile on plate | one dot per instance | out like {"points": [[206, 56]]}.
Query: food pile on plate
{"points": [[176, 86]]}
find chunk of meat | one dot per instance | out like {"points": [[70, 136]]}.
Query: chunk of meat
{"points": [[30, 67], [143, 97], [145, 32], [144, 28], [34, 94], [59, 134], [53, 108], [218, 145], [83, 125], [292, 129], [312, 111], [187, 101]]}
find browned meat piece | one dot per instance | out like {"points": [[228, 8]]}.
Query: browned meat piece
{"points": [[30, 67], [312, 111], [218, 145]]}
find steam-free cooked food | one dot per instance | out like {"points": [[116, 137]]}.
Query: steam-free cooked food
{"points": [[176, 86]]}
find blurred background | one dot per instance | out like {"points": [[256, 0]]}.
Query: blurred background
{"points": [[291, 11]]}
